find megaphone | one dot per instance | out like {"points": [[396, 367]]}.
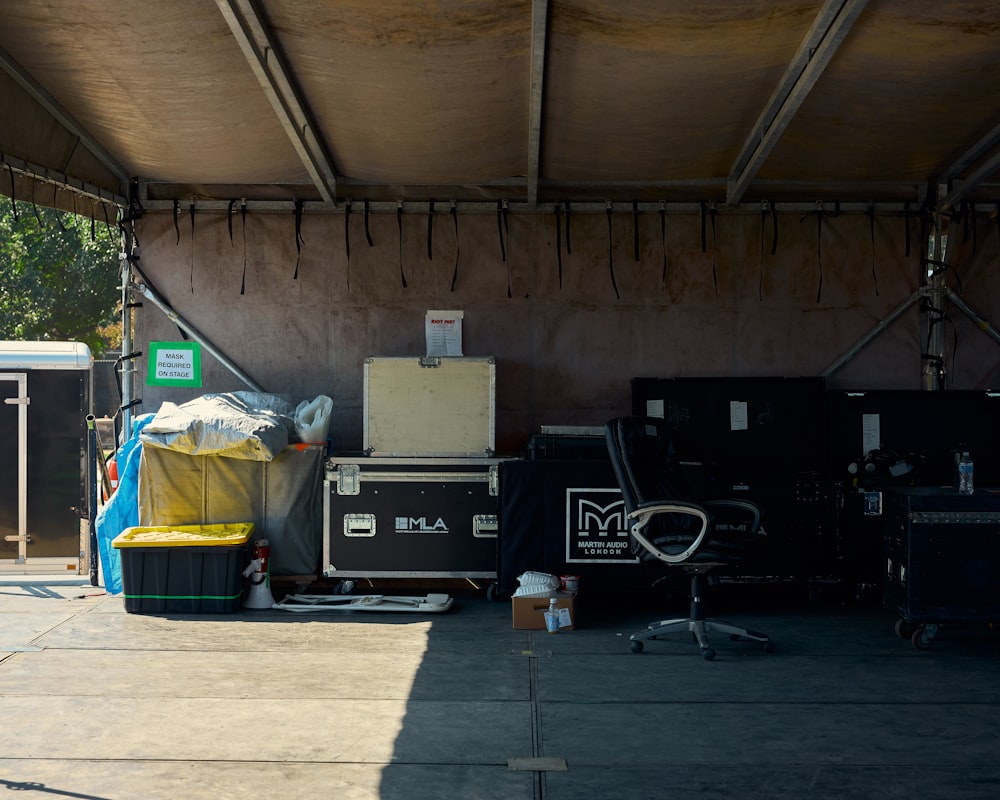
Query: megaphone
{"points": [[259, 594]]}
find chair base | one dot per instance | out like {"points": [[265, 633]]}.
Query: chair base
{"points": [[699, 629]]}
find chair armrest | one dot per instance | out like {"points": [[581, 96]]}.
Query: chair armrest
{"points": [[646, 511], [750, 510]]}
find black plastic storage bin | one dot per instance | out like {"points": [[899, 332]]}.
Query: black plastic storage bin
{"points": [[186, 569]]}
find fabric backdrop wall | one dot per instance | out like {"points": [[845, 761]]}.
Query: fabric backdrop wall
{"points": [[707, 298]]}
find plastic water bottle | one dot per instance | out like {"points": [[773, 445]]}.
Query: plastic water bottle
{"points": [[552, 617], [965, 471]]}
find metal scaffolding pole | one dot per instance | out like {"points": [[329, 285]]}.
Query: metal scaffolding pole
{"points": [[933, 367]]}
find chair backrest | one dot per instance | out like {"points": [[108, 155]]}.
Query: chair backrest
{"points": [[646, 467]]}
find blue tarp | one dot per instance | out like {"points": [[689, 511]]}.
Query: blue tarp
{"points": [[122, 509]]}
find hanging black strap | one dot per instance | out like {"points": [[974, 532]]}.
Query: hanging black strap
{"points": [[503, 250], [503, 224], [177, 217], [347, 240], [871, 231], [458, 245], [635, 230], [715, 271], [107, 222], [430, 230], [569, 246], [399, 226], [558, 213], [611, 251], [13, 202], [243, 215], [93, 224], [298, 237], [347, 230], [663, 241], [191, 212], [38, 217], [229, 221], [368, 235], [55, 195]]}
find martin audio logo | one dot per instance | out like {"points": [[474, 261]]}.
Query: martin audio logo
{"points": [[596, 527], [420, 525]]}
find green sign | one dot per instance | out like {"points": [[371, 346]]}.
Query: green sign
{"points": [[174, 364]]}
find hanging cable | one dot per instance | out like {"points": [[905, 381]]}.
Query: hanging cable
{"points": [[430, 230], [177, 217], [503, 250], [191, 212], [399, 226], [558, 214], [611, 250], [368, 235], [13, 194], [711, 210], [458, 245], [243, 216], [298, 237]]}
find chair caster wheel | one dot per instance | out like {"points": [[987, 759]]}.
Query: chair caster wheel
{"points": [[768, 647], [708, 654], [635, 646]]}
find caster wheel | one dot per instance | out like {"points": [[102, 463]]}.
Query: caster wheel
{"points": [[491, 593], [920, 640], [708, 654], [903, 629], [635, 646], [768, 647]]}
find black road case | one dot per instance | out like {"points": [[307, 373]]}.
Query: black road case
{"points": [[942, 556], [410, 517]]}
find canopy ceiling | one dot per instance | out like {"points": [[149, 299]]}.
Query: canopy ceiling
{"points": [[528, 101]]}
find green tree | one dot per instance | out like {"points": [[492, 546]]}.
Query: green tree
{"points": [[59, 278]]}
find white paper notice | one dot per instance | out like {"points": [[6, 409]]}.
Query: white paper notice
{"points": [[871, 432], [654, 408], [444, 333], [737, 415]]}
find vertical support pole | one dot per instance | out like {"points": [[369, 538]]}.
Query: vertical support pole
{"points": [[933, 368], [127, 365], [92, 546]]}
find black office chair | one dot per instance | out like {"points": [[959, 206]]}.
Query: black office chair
{"points": [[668, 526]]}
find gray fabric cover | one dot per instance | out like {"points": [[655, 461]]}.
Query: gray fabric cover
{"points": [[282, 497]]}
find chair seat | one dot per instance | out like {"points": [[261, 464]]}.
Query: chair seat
{"points": [[718, 546]]}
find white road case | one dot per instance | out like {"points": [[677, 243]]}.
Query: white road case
{"points": [[427, 407]]}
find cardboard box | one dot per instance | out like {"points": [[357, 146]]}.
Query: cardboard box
{"points": [[529, 612]]}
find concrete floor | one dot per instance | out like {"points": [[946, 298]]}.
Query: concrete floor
{"points": [[101, 704]]}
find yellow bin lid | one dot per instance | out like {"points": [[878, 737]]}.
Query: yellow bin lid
{"points": [[232, 533]]}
